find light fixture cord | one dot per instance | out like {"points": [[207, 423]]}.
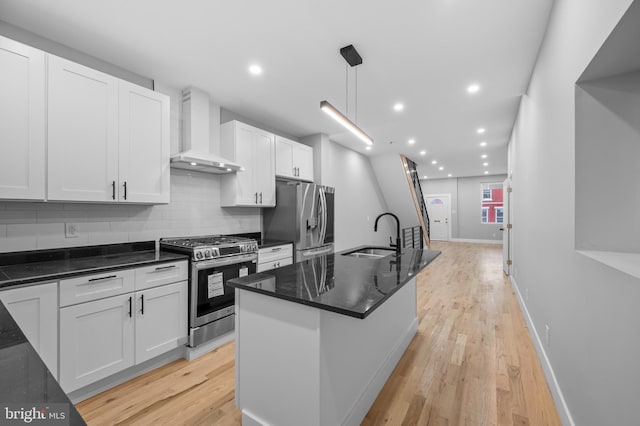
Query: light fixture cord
{"points": [[346, 93], [356, 95]]}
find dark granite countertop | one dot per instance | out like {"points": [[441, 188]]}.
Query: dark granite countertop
{"points": [[21, 268], [26, 381], [343, 284]]}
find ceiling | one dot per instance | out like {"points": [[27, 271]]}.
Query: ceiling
{"points": [[421, 53]]}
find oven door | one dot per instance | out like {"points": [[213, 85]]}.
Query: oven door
{"points": [[210, 297]]}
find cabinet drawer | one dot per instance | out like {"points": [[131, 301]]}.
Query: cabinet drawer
{"points": [[92, 287], [164, 273], [267, 266], [271, 254]]}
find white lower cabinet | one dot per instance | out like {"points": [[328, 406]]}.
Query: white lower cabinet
{"points": [[101, 337], [161, 320], [35, 310], [96, 340], [274, 257]]}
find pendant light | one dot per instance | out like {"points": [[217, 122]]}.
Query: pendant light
{"points": [[350, 54]]}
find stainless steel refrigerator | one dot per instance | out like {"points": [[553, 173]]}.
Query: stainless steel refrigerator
{"points": [[304, 214]]}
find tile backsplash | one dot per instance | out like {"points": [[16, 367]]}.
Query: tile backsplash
{"points": [[194, 210]]}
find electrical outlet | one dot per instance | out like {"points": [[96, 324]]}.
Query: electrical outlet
{"points": [[547, 335], [71, 230]]}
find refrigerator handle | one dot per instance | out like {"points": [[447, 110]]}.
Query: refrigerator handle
{"points": [[323, 232]]}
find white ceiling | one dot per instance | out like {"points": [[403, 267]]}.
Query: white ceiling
{"points": [[421, 53]]}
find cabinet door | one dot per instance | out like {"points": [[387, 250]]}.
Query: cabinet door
{"points": [[143, 166], [303, 161], [284, 158], [22, 115], [161, 320], [35, 309], [82, 133], [96, 340], [264, 164], [246, 192]]}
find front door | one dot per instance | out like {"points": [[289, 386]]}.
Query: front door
{"points": [[439, 208], [506, 227]]}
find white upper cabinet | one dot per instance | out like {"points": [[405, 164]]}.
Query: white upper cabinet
{"points": [[108, 139], [143, 166], [22, 116], [254, 149], [82, 133], [293, 160]]}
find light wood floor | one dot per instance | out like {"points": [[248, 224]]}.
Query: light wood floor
{"points": [[471, 363]]}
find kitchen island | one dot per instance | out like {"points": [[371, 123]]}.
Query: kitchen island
{"points": [[317, 340]]}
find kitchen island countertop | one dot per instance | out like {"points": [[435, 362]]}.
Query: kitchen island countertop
{"points": [[338, 283]]}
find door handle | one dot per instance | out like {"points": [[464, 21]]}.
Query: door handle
{"points": [[256, 198], [261, 198], [125, 189], [130, 302], [113, 190], [142, 304]]}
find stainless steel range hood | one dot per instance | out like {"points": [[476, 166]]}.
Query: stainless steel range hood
{"points": [[196, 152]]}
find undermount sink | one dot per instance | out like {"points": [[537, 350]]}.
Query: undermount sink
{"points": [[371, 252]]}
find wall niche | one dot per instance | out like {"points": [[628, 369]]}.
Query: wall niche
{"points": [[607, 150]]}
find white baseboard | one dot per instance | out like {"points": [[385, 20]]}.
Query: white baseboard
{"points": [[554, 386], [470, 240], [363, 404]]}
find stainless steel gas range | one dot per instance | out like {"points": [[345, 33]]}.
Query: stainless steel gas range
{"points": [[214, 259]]}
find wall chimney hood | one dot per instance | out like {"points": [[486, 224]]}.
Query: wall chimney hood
{"points": [[196, 152]]}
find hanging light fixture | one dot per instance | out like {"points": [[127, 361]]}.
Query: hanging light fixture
{"points": [[350, 54]]}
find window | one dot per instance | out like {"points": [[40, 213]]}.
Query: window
{"points": [[491, 203]]}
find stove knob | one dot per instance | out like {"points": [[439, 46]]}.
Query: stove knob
{"points": [[198, 255], [207, 254]]}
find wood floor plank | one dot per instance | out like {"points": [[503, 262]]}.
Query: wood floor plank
{"points": [[472, 362]]}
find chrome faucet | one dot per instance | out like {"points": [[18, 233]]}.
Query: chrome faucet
{"points": [[397, 244]]}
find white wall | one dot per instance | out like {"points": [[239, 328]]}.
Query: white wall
{"points": [[592, 310], [465, 206]]}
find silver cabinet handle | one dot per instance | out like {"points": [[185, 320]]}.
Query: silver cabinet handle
{"points": [[164, 268], [261, 198], [103, 278], [256, 198], [276, 249], [125, 189]]}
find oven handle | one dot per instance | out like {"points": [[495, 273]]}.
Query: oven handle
{"points": [[231, 260]]}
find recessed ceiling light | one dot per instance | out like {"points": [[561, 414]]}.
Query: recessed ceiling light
{"points": [[412, 141], [449, 175], [440, 168], [228, 170], [473, 88], [194, 164], [484, 156], [481, 130], [398, 107], [483, 144], [424, 177], [255, 69], [485, 164], [423, 152], [434, 162], [368, 148], [486, 172]]}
